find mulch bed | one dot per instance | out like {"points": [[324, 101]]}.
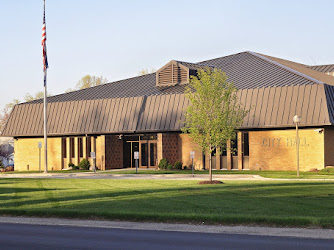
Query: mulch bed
{"points": [[211, 182]]}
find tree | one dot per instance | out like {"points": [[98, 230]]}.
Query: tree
{"points": [[6, 111], [88, 81], [38, 95], [6, 150], [214, 113], [9, 106], [146, 71]]}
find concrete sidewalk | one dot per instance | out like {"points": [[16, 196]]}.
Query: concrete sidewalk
{"points": [[216, 229], [91, 175], [110, 175]]}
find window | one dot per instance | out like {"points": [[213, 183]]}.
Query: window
{"points": [[63, 147], [246, 144], [149, 137], [234, 147], [213, 153], [89, 145], [223, 151], [72, 147], [144, 154], [80, 145]]}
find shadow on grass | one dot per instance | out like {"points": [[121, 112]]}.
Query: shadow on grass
{"points": [[255, 190], [287, 204]]}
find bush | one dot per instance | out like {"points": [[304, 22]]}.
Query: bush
{"points": [[163, 163], [75, 167], [185, 168], [327, 170], [70, 165], [170, 167], [178, 165], [84, 164]]}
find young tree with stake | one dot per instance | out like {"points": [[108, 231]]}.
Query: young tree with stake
{"points": [[214, 113]]}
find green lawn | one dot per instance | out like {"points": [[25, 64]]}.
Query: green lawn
{"points": [[267, 174], [288, 203]]}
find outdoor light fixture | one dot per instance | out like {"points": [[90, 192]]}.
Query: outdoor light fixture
{"points": [[120, 137], [296, 120]]}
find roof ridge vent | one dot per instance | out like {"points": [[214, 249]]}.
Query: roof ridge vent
{"points": [[171, 74]]}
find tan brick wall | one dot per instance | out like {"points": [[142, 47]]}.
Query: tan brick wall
{"points": [[100, 152], [159, 147], [27, 153], [185, 145], [276, 150]]}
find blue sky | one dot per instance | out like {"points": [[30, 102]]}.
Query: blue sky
{"points": [[116, 39]]}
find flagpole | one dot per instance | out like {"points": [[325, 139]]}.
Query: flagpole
{"points": [[45, 104], [45, 125]]}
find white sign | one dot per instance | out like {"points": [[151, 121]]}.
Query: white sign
{"points": [[192, 154], [136, 155], [92, 155], [39, 145]]}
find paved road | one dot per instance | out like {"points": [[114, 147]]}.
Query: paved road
{"points": [[22, 236]]}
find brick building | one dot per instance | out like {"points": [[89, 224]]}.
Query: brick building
{"points": [[144, 114]]}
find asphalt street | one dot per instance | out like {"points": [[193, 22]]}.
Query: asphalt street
{"points": [[23, 236]]}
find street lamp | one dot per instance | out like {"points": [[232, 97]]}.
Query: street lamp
{"points": [[296, 120]]}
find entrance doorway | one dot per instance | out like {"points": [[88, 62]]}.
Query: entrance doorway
{"points": [[131, 145], [148, 154], [147, 147]]}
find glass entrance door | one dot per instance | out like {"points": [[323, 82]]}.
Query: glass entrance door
{"points": [[148, 154], [153, 154], [144, 154]]}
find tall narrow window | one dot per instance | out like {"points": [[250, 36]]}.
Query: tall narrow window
{"points": [[246, 144], [63, 147], [72, 147], [80, 145], [89, 145], [224, 150], [144, 154], [234, 147]]}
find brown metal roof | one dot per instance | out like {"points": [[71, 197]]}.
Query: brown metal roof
{"points": [[269, 107], [274, 88], [246, 70], [304, 70], [323, 68]]}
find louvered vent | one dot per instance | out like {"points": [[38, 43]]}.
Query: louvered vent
{"points": [[171, 74]]}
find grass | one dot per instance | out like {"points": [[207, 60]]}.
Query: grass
{"points": [[288, 203], [267, 174]]}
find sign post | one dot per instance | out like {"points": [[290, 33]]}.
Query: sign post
{"points": [[192, 156], [93, 156], [296, 120], [39, 149], [136, 157]]}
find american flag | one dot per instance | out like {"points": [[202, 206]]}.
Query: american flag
{"points": [[45, 58]]}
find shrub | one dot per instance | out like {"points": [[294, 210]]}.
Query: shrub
{"points": [[70, 165], [75, 167], [185, 168], [178, 165], [170, 167], [163, 163], [327, 170], [84, 164]]}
